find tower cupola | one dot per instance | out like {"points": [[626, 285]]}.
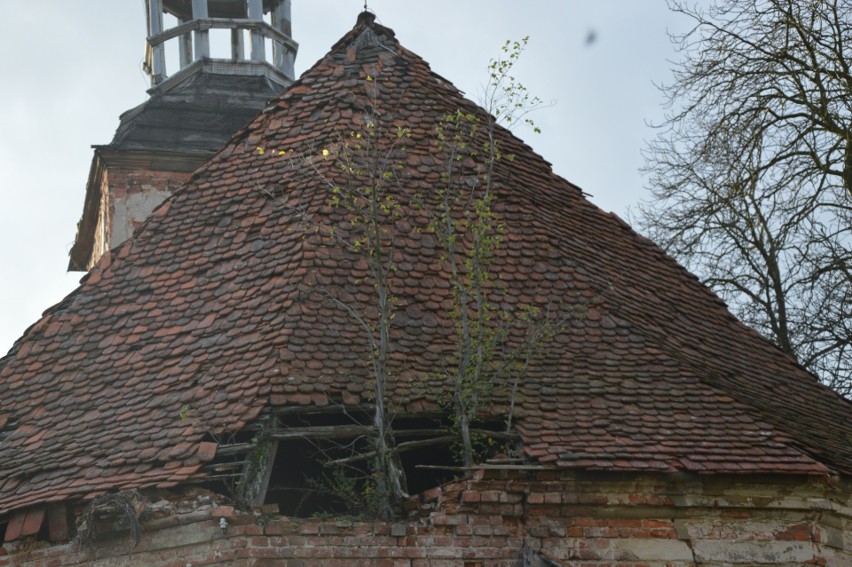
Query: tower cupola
{"points": [[214, 64], [255, 38]]}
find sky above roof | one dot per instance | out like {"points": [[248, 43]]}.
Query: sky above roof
{"points": [[70, 69]]}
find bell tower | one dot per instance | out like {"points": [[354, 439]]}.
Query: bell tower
{"points": [[213, 65]]}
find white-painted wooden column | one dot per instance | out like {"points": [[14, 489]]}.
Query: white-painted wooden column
{"points": [[158, 56], [184, 46], [238, 51], [283, 60], [258, 53], [202, 37]]}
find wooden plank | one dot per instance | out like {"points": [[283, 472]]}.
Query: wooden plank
{"points": [[366, 410], [235, 449], [205, 24], [15, 526], [220, 467], [356, 430], [319, 432], [400, 448], [33, 521], [487, 468], [57, 522], [258, 472]]}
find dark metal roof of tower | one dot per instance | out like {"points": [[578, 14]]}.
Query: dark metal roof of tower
{"points": [[198, 115]]}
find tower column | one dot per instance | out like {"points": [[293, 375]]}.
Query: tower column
{"points": [[184, 46], [238, 52], [202, 37], [256, 14], [155, 26], [282, 58]]}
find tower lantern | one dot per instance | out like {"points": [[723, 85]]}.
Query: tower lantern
{"points": [[254, 25], [232, 57]]}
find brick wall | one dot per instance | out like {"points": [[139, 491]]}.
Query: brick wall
{"points": [[133, 195], [502, 520]]}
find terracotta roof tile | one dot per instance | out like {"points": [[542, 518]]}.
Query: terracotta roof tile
{"points": [[203, 308]]}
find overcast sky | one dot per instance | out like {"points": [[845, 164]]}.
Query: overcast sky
{"points": [[70, 68]]}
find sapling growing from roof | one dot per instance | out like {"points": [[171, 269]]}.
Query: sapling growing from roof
{"points": [[365, 185], [464, 222]]}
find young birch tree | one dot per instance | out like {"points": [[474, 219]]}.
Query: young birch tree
{"points": [[463, 220], [369, 161]]}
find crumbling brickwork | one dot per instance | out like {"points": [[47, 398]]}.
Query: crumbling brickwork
{"points": [[134, 196], [513, 519], [131, 195], [126, 194]]}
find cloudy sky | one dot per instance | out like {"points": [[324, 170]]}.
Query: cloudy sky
{"points": [[70, 68]]}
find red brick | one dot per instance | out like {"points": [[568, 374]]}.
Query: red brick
{"points": [[223, 512], [470, 496]]}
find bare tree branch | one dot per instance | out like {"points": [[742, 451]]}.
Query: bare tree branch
{"points": [[751, 172]]}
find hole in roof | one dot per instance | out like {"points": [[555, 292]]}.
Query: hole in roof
{"points": [[333, 476], [322, 463]]}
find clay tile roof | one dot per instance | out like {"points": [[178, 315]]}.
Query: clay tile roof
{"points": [[205, 308]]}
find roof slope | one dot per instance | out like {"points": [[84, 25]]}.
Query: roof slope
{"points": [[206, 308]]}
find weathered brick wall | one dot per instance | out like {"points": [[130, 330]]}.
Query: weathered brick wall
{"points": [[498, 519], [129, 190], [133, 195]]}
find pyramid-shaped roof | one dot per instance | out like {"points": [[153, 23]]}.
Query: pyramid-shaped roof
{"points": [[209, 307]]}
